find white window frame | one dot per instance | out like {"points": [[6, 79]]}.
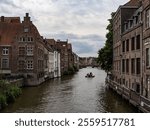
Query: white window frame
{"points": [[5, 51], [29, 50]]}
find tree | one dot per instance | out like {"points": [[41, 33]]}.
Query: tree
{"points": [[105, 54]]}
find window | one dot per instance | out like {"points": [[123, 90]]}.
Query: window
{"points": [[138, 42], [21, 65], [40, 53], [123, 46], [131, 22], [147, 86], [29, 50], [26, 30], [40, 64], [30, 39], [137, 89], [147, 57], [147, 22], [4, 63], [5, 51], [136, 19], [123, 81], [55, 54], [21, 51], [30, 64], [24, 39], [123, 65], [127, 65], [133, 43], [127, 45], [138, 66], [133, 66]]}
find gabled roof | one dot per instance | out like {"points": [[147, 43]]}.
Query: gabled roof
{"points": [[11, 26], [10, 19], [132, 3], [51, 41], [8, 31]]}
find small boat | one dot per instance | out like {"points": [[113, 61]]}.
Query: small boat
{"points": [[90, 75]]}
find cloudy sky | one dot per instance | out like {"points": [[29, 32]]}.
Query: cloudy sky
{"points": [[83, 22]]}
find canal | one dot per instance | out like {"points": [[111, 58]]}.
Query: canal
{"points": [[71, 94]]}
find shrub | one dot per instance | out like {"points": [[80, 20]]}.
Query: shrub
{"points": [[12, 92], [3, 101], [8, 93]]}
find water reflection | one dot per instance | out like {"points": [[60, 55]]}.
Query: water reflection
{"points": [[71, 94]]}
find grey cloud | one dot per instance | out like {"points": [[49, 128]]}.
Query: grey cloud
{"points": [[82, 44], [81, 48], [72, 36], [8, 2], [83, 22]]}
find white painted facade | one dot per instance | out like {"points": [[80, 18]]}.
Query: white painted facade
{"points": [[51, 65], [56, 64]]}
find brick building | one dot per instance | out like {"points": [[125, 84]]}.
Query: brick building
{"points": [[22, 49], [70, 56], [25, 53], [146, 48], [64, 57], [131, 34]]}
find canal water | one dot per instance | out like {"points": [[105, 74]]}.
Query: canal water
{"points": [[71, 94]]}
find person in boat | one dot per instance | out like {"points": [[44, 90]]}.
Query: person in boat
{"points": [[91, 74], [88, 75]]}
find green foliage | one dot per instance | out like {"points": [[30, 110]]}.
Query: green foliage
{"points": [[11, 93], [71, 70], [75, 68], [3, 101], [105, 54], [8, 93]]}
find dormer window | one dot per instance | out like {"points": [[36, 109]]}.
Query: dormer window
{"points": [[131, 22], [126, 25], [136, 19], [5, 51]]}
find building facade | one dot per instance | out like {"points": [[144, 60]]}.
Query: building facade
{"points": [[64, 57], [56, 57], [130, 75], [146, 49], [25, 53], [22, 50]]}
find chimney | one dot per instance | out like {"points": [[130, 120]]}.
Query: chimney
{"points": [[27, 14], [27, 18], [2, 18]]}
